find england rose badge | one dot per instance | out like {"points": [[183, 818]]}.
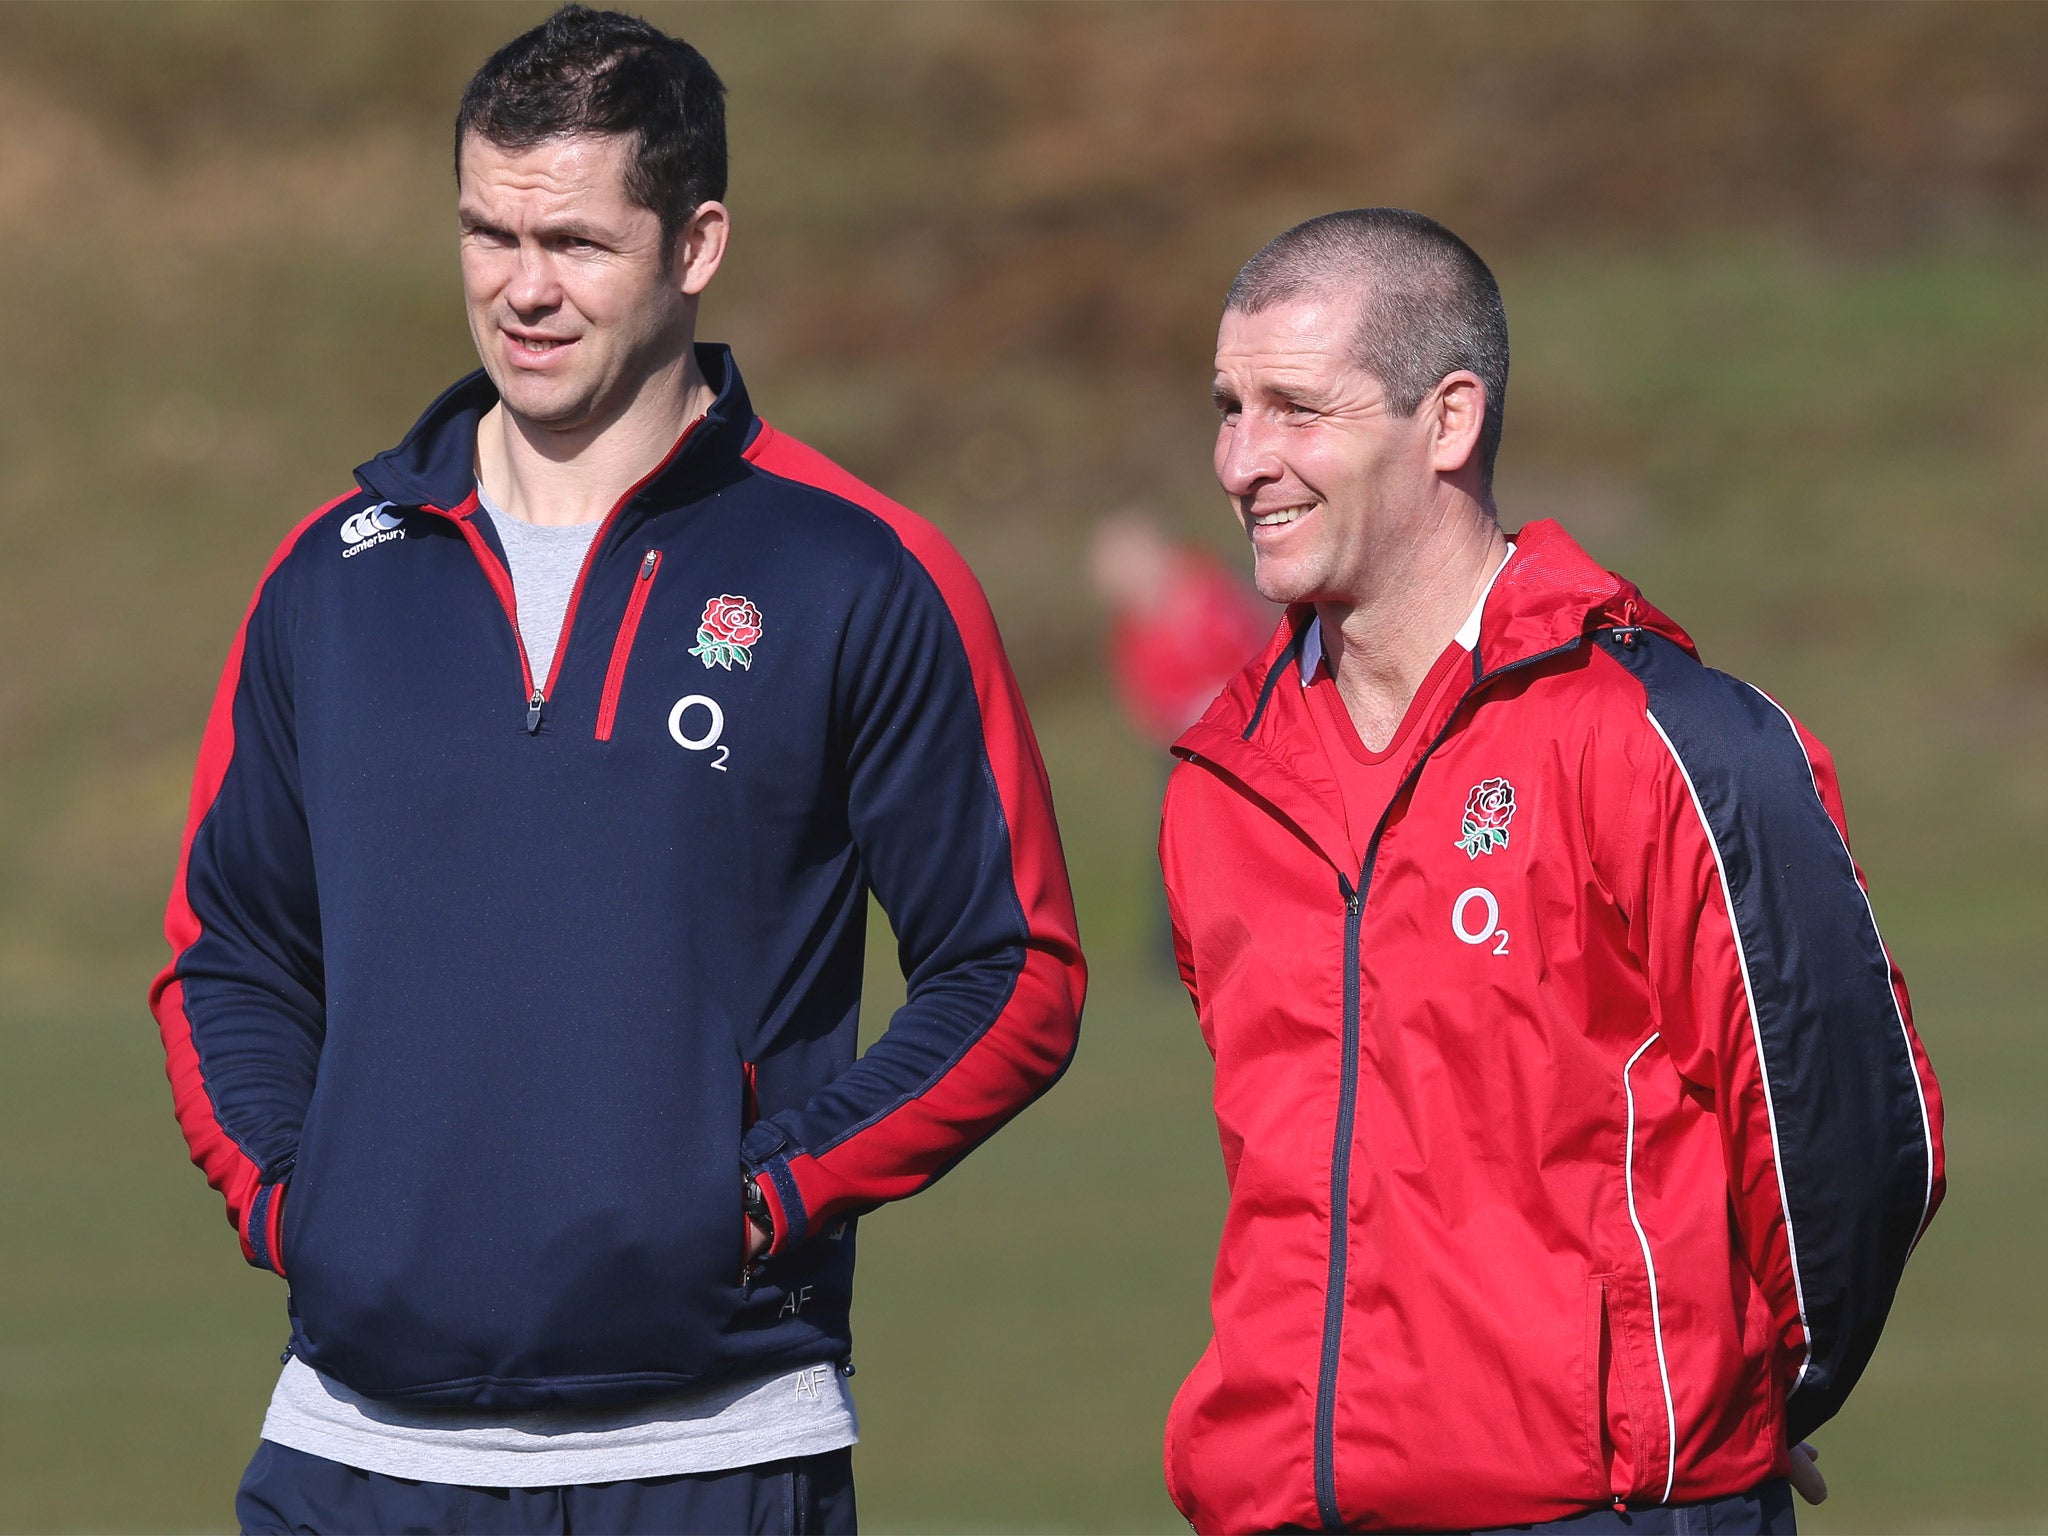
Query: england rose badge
{"points": [[1488, 810], [728, 632]]}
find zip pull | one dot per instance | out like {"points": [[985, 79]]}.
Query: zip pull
{"points": [[1351, 898], [647, 565], [534, 706]]}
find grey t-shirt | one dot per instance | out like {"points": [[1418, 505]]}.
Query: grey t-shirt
{"points": [[545, 563], [739, 1424]]}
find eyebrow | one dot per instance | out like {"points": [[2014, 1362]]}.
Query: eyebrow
{"points": [[555, 228], [1293, 394]]}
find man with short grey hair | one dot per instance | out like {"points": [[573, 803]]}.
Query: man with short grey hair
{"points": [[1575, 1124]]}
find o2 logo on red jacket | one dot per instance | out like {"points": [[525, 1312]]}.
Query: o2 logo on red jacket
{"points": [[1475, 919]]}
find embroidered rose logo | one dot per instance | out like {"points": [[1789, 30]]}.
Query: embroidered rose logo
{"points": [[1488, 810], [727, 632]]}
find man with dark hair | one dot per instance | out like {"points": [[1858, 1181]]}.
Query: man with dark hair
{"points": [[518, 1027], [1576, 1128]]}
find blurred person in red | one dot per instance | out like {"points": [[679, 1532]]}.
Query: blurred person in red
{"points": [[1575, 1125], [1180, 626]]}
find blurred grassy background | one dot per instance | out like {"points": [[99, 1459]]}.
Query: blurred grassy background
{"points": [[1775, 281]]}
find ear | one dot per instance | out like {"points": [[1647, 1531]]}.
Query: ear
{"points": [[699, 248], [1457, 414]]}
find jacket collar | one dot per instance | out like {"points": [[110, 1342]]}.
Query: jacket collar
{"points": [[435, 466], [1547, 599]]}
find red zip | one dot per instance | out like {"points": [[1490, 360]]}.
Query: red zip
{"points": [[501, 579], [501, 583], [622, 648]]}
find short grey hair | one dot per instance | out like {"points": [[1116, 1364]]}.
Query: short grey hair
{"points": [[1429, 306]]}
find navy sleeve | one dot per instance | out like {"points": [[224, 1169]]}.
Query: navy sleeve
{"points": [[949, 804], [241, 1005]]}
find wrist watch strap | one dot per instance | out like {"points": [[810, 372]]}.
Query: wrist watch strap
{"points": [[757, 1207]]}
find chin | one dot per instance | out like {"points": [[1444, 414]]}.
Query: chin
{"points": [[545, 408], [1277, 584]]}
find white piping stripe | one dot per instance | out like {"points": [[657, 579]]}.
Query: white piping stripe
{"points": [[1628, 1164], [1757, 1032], [1905, 1034]]}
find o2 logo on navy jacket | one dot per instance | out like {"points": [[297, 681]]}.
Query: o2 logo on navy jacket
{"points": [[696, 722], [369, 528]]}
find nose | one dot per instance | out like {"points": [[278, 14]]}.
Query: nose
{"points": [[534, 286], [1244, 457]]}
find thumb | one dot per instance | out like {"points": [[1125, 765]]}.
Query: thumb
{"points": [[1805, 1476]]}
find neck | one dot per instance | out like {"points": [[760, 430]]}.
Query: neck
{"points": [[1381, 648], [561, 477]]}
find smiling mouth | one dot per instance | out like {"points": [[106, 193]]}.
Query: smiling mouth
{"points": [[1276, 518], [538, 343]]}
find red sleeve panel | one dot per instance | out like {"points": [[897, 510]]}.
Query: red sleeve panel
{"points": [[1776, 993], [953, 813], [236, 1001]]}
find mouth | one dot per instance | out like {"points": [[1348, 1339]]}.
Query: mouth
{"points": [[528, 348], [1278, 517]]}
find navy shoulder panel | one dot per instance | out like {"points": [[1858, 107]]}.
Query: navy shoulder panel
{"points": [[1847, 1116]]}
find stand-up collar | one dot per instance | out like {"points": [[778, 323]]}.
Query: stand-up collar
{"points": [[1546, 599], [435, 466]]}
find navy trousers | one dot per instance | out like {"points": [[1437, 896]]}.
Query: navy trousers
{"points": [[1766, 1510], [289, 1491]]}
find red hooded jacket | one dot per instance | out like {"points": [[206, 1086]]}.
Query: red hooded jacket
{"points": [[1577, 1140]]}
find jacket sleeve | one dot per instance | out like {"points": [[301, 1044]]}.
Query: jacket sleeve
{"points": [[241, 1006], [950, 808], [1776, 997]]}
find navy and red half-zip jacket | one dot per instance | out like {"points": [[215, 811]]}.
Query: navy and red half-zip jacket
{"points": [[485, 988]]}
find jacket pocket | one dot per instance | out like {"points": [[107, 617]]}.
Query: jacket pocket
{"points": [[622, 648], [1614, 1405]]}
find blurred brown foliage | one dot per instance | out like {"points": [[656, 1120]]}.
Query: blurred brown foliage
{"points": [[980, 251]]}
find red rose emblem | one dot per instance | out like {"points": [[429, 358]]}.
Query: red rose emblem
{"points": [[733, 620], [1491, 804], [727, 632], [1488, 810]]}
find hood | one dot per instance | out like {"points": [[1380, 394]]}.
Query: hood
{"points": [[1550, 595], [1548, 598]]}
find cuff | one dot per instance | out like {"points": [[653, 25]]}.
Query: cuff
{"points": [[263, 1229], [785, 1206]]}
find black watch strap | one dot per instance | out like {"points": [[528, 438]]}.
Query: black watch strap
{"points": [[757, 1208]]}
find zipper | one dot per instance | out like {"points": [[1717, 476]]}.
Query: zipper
{"points": [[750, 1111], [1340, 1206], [1347, 1108], [501, 583], [622, 648], [538, 694]]}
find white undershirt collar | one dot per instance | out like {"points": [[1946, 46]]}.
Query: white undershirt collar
{"points": [[1466, 638]]}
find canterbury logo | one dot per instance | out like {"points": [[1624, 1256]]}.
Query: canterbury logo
{"points": [[368, 528]]}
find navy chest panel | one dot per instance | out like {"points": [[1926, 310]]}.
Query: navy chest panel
{"points": [[723, 736]]}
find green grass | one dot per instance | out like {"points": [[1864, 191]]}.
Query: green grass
{"points": [[1019, 1329]]}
